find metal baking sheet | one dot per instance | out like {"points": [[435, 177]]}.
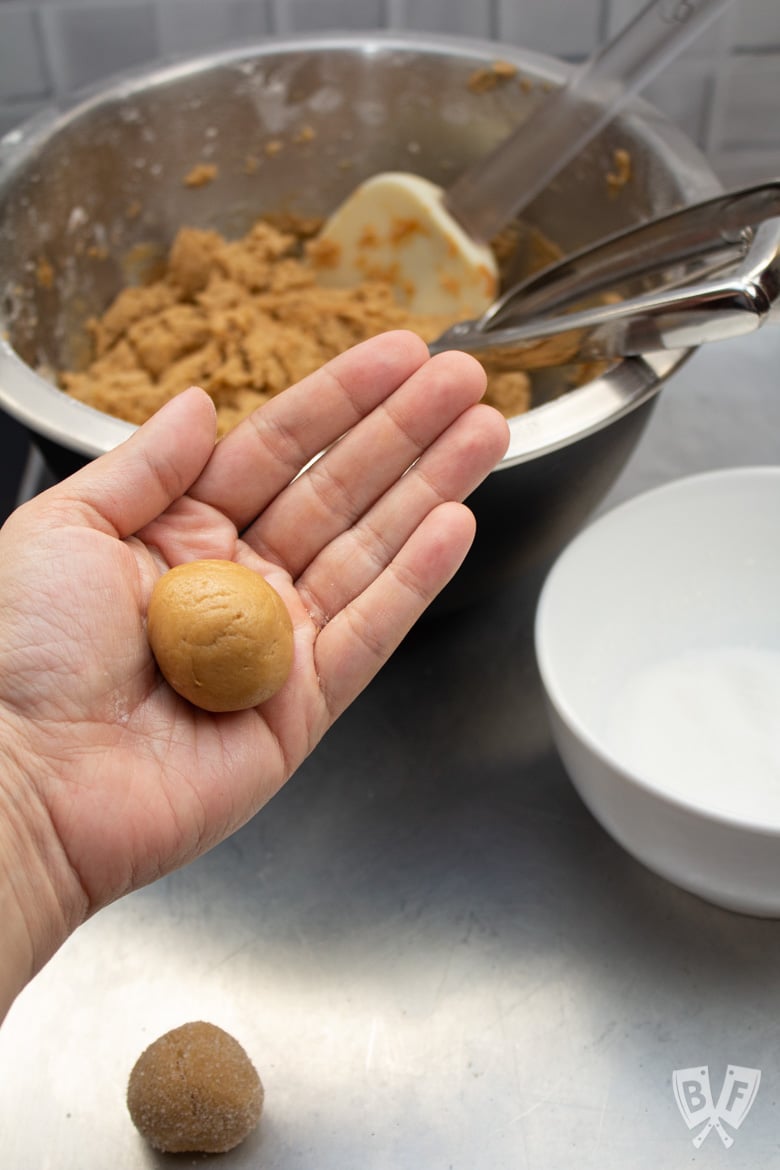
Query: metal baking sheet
{"points": [[432, 953]]}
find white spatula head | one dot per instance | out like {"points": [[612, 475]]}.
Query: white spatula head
{"points": [[395, 228]]}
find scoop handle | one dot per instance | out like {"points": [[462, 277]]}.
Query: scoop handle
{"points": [[493, 191]]}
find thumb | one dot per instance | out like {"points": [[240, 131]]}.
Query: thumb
{"points": [[131, 485]]}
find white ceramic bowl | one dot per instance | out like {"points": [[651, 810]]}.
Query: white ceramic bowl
{"points": [[658, 643]]}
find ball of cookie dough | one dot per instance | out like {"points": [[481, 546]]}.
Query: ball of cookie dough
{"points": [[195, 1090], [221, 635]]}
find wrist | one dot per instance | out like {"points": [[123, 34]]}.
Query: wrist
{"points": [[36, 913]]}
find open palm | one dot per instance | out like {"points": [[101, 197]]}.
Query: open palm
{"points": [[113, 775]]}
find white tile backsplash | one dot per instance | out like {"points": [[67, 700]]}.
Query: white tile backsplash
{"points": [[87, 42], [321, 15], [463, 18], [197, 26], [751, 109], [24, 72], [724, 91], [559, 27]]}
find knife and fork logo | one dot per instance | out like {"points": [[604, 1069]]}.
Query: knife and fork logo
{"points": [[693, 1094]]}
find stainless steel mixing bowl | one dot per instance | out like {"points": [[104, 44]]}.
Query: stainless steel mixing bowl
{"points": [[81, 188]]}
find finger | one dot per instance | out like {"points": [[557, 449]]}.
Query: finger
{"points": [[128, 487], [336, 490], [360, 638], [267, 450], [450, 469]]}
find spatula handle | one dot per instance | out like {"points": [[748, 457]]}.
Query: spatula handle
{"points": [[493, 191]]}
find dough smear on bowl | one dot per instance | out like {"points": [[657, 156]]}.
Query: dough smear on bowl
{"points": [[195, 1090], [221, 635]]}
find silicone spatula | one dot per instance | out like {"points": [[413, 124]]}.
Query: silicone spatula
{"points": [[432, 244]]}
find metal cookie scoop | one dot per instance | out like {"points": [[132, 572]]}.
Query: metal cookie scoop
{"points": [[712, 271]]}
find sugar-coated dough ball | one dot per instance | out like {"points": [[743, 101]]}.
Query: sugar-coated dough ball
{"points": [[195, 1090], [221, 635]]}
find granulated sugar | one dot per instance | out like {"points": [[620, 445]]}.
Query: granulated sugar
{"points": [[706, 727]]}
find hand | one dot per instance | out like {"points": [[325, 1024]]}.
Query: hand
{"points": [[110, 779]]}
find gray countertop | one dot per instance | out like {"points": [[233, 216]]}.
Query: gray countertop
{"points": [[433, 954]]}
